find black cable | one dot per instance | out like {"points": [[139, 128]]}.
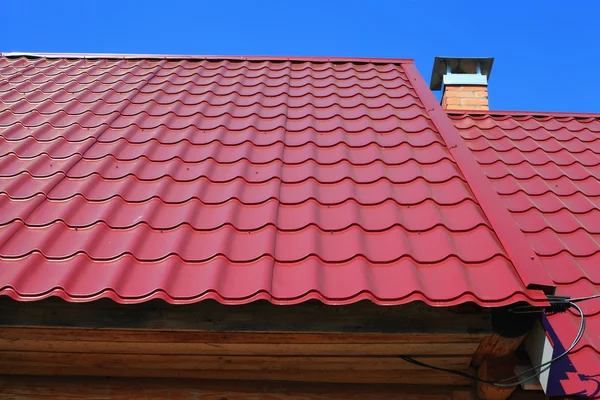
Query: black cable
{"points": [[451, 371], [549, 363], [557, 304]]}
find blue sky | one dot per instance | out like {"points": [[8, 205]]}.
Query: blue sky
{"points": [[547, 51]]}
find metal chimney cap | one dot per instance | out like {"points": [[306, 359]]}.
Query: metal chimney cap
{"points": [[472, 66]]}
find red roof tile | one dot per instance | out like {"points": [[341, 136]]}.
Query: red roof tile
{"points": [[546, 168], [238, 179]]}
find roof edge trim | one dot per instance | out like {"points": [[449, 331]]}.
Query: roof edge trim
{"points": [[524, 113], [318, 59], [526, 262], [364, 295]]}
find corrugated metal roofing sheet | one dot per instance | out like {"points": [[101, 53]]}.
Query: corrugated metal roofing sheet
{"points": [[546, 168], [237, 180]]}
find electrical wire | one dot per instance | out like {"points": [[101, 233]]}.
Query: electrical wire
{"points": [[560, 304], [578, 299], [549, 363]]}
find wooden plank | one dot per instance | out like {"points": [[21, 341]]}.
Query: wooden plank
{"points": [[303, 356], [99, 388], [41, 387], [273, 349], [212, 336], [258, 341], [413, 377], [257, 316], [233, 363], [233, 343]]}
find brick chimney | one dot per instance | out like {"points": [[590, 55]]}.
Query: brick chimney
{"points": [[463, 81]]}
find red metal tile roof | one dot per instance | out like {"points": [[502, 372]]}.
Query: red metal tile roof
{"points": [[546, 168], [242, 179]]}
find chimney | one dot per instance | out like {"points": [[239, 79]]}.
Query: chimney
{"points": [[463, 81]]}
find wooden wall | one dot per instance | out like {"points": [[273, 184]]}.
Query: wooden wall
{"points": [[310, 342], [43, 388]]}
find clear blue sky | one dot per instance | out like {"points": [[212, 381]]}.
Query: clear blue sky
{"points": [[547, 51]]}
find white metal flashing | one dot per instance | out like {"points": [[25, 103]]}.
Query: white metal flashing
{"points": [[540, 350], [465, 79]]}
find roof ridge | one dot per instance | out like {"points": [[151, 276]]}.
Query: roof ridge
{"points": [[523, 113], [124, 56]]}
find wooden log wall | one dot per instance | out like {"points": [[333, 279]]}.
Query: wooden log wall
{"points": [[309, 342], [43, 388]]}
